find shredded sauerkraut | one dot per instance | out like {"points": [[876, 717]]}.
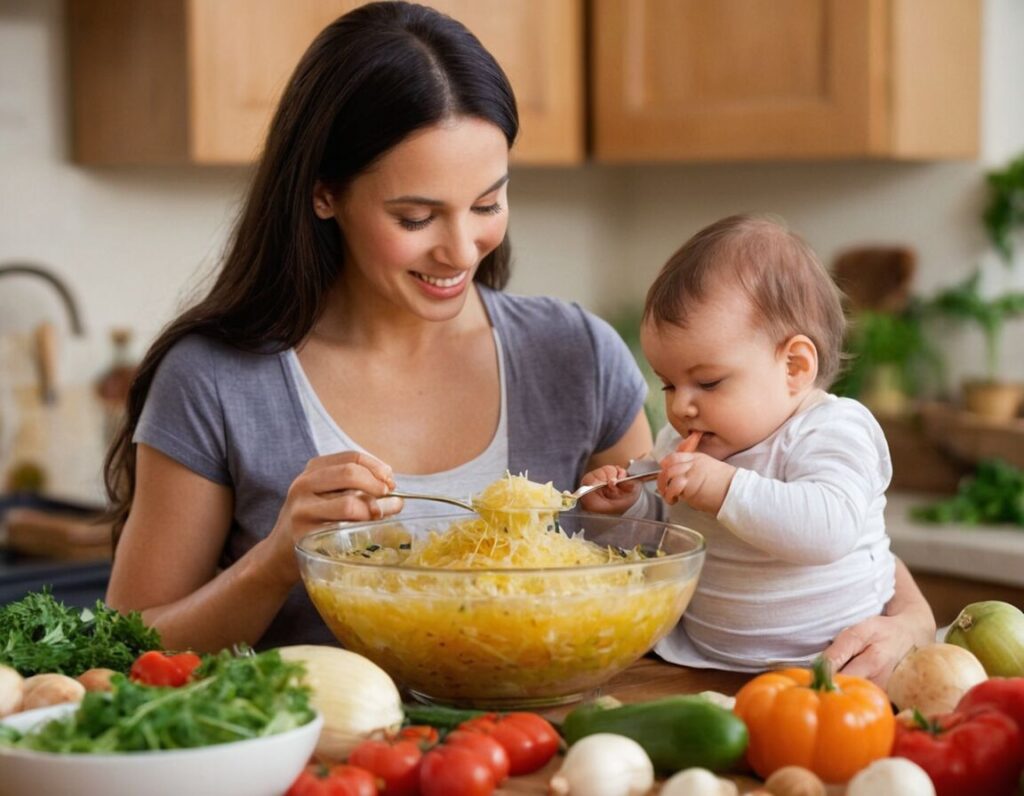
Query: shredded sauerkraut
{"points": [[494, 638]]}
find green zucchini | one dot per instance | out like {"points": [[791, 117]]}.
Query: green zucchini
{"points": [[443, 718], [677, 732]]}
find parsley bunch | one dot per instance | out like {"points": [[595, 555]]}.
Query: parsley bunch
{"points": [[39, 634], [995, 494], [232, 699]]}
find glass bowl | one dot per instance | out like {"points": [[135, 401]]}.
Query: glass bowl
{"points": [[502, 638]]}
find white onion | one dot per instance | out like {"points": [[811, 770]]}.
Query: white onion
{"points": [[932, 678], [356, 697]]}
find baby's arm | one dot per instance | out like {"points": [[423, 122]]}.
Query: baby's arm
{"points": [[817, 514]]}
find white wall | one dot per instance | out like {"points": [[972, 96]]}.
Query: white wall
{"points": [[133, 242]]}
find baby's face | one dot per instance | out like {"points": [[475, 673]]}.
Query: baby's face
{"points": [[721, 375]]}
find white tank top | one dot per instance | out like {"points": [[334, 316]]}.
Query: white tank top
{"points": [[463, 481]]}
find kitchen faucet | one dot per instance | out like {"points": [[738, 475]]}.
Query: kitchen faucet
{"points": [[74, 317]]}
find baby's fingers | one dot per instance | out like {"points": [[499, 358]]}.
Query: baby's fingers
{"points": [[673, 478], [603, 475]]}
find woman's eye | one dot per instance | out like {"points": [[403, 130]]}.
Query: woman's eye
{"points": [[488, 210], [414, 223], [709, 385]]}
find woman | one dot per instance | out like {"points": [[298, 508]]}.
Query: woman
{"points": [[358, 310]]}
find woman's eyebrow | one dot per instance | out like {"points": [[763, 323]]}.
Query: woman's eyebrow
{"points": [[423, 200]]}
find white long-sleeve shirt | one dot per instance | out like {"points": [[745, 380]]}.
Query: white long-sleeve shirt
{"points": [[798, 550]]}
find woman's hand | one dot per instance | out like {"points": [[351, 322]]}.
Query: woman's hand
{"points": [[873, 647], [613, 499], [339, 487]]}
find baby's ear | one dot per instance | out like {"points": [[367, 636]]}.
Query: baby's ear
{"points": [[801, 362]]}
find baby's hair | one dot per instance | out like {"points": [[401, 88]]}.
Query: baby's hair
{"points": [[789, 289]]}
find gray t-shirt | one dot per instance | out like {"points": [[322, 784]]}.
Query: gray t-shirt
{"points": [[236, 418]]}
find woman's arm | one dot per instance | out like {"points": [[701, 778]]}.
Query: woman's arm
{"points": [[872, 648], [636, 442], [166, 562]]}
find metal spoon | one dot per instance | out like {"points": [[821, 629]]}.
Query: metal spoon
{"points": [[569, 499]]}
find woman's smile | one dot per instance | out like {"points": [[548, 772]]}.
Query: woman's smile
{"points": [[442, 287]]}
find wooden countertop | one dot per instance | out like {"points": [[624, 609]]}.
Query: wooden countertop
{"points": [[648, 678]]}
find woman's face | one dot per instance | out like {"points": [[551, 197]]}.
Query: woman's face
{"points": [[418, 223]]}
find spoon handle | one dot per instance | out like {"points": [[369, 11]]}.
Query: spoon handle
{"points": [[462, 504]]}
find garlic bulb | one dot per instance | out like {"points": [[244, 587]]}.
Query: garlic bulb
{"points": [[891, 776], [604, 764], [356, 697], [698, 782]]}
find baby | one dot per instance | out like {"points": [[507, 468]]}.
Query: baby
{"points": [[786, 482]]}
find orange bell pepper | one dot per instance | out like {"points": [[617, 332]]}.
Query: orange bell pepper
{"points": [[834, 726]]}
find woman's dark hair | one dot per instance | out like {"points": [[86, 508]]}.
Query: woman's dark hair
{"points": [[369, 79]]}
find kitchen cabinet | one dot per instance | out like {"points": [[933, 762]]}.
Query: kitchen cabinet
{"points": [[785, 79], [196, 81]]}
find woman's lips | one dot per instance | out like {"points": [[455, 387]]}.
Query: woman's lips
{"points": [[442, 287]]}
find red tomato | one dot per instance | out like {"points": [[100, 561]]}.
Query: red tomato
{"points": [[423, 734], [159, 668], [486, 747], [964, 754], [455, 771], [340, 780], [529, 739], [1005, 694], [396, 762], [187, 663]]}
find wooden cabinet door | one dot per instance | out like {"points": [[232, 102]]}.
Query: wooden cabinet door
{"points": [[780, 79], [701, 79], [173, 81], [539, 44], [241, 54]]}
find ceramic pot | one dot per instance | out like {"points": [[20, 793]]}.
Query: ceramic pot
{"points": [[993, 399]]}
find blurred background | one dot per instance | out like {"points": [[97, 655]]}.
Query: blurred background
{"points": [[887, 132]]}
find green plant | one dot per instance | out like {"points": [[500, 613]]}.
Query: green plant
{"points": [[1005, 210], [627, 323], [994, 494], [885, 339], [965, 302]]}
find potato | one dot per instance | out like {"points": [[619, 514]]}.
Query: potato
{"points": [[51, 689], [96, 679], [12, 691]]}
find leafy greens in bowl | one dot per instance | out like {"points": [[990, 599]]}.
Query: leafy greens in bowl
{"points": [[244, 727]]}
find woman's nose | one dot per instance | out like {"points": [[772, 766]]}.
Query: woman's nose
{"points": [[459, 249]]}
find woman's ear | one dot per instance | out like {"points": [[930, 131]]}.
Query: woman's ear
{"points": [[323, 201], [801, 357]]}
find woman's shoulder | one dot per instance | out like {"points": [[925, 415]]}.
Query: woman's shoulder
{"points": [[543, 317], [202, 353]]}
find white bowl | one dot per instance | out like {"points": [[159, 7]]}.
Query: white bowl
{"points": [[258, 767]]}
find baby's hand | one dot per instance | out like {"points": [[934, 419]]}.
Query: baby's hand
{"points": [[697, 479], [612, 499]]}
